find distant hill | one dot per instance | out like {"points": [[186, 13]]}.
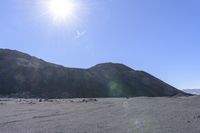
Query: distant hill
{"points": [[192, 91], [22, 75]]}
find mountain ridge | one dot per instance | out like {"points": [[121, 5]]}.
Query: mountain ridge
{"points": [[23, 75]]}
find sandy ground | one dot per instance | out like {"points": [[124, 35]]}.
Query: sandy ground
{"points": [[112, 115]]}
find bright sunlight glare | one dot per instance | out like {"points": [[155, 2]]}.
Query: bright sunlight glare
{"points": [[62, 9]]}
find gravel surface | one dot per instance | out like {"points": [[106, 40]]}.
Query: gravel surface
{"points": [[109, 115]]}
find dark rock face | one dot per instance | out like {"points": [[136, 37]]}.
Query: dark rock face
{"points": [[22, 75]]}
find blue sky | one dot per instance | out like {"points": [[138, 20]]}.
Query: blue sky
{"points": [[161, 37]]}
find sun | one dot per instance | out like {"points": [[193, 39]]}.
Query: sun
{"points": [[62, 9]]}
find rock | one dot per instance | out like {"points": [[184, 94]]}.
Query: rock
{"points": [[40, 100]]}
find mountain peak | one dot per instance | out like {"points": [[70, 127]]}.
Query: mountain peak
{"points": [[110, 65]]}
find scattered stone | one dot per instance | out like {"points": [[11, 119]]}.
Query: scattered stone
{"points": [[84, 100], [92, 100], [50, 100], [31, 102], [197, 117], [89, 100], [71, 101], [40, 100]]}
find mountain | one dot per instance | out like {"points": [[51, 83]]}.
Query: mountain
{"points": [[192, 91], [22, 75]]}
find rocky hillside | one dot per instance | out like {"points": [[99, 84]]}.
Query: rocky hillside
{"points": [[22, 75]]}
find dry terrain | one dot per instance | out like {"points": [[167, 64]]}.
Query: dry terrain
{"points": [[111, 115]]}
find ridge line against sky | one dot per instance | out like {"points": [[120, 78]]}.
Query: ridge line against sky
{"points": [[158, 36]]}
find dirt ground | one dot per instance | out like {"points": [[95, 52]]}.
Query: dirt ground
{"points": [[109, 115]]}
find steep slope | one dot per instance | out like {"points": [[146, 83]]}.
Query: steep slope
{"points": [[23, 75]]}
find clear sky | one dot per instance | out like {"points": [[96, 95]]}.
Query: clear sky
{"points": [[161, 37]]}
